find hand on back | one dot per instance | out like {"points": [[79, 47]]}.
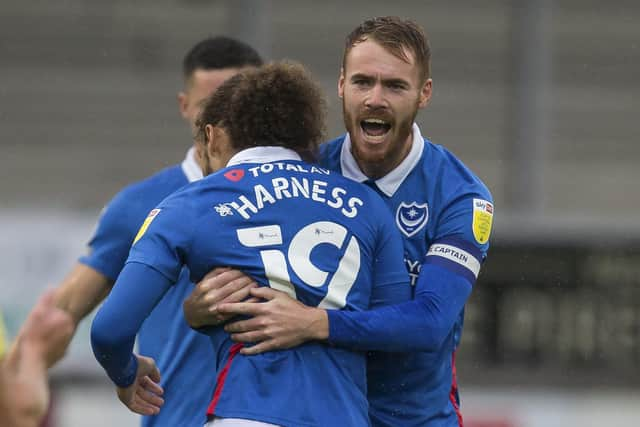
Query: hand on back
{"points": [[222, 285]]}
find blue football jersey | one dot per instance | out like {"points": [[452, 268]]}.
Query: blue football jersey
{"points": [[301, 229], [180, 353], [444, 213]]}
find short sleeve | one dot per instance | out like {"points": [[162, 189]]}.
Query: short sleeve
{"points": [[461, 240], [468, 218], [116, 228], [164, 238]]}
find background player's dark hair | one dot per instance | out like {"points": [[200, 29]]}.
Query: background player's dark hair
{"points": [[275, 105], [395, 35], [215, 53]]}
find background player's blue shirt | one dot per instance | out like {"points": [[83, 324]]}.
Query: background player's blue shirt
{"points": [[283, 222], [180, 353], [444, 213]]}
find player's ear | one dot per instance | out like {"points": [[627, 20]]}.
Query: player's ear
{"points": [[209, 136], [425, 93], [216, 138], [183, 102], [341, 83]]}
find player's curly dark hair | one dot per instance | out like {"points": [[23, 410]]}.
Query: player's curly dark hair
{"points": [[278, 104]]}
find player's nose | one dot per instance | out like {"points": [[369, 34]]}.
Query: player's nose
{"points": [[375, 97]]}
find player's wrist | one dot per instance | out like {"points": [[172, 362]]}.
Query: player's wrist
{"points": [[124, 378], [319, 325], [192, 315], [193, 321]]}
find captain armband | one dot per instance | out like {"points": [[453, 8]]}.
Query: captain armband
{"points": [[456, 255]]}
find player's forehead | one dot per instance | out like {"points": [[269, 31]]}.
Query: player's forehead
{"points": [[370, 58], [205, 82]]}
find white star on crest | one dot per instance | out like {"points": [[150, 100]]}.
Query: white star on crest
{"points": [[412, 213]]}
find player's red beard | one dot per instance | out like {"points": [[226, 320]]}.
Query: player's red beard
{"points": [[381, 161]]}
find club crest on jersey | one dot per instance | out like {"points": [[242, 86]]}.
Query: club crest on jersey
{"points": [[411, 217], [234, 175]]}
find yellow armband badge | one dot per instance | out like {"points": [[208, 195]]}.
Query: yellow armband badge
{"points": [[482, 220], [145, 224]]}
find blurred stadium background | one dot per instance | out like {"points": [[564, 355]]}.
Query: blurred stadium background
{"points": [[540, 98]]}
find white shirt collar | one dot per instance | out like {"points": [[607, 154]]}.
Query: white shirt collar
{"points": [[190, 166], [389, 183], [263, 155]]}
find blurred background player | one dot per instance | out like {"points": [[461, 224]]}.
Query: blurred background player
{"points": [[24, 385], [316, 235], [443, 211], [168, 339]]}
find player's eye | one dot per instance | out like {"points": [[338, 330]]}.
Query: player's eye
{"points": [[361, 82], [397, 86]]}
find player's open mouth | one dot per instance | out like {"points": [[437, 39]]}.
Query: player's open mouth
{"points": [[375, 129]]}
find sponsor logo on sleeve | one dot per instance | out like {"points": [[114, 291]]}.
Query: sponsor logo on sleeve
{"points": [[143, 229], [482, 220], [411, 217]]}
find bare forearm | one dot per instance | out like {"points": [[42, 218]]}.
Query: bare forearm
{"points": [[41, 342], [24, 385], [13, 414], [81, 291]]}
